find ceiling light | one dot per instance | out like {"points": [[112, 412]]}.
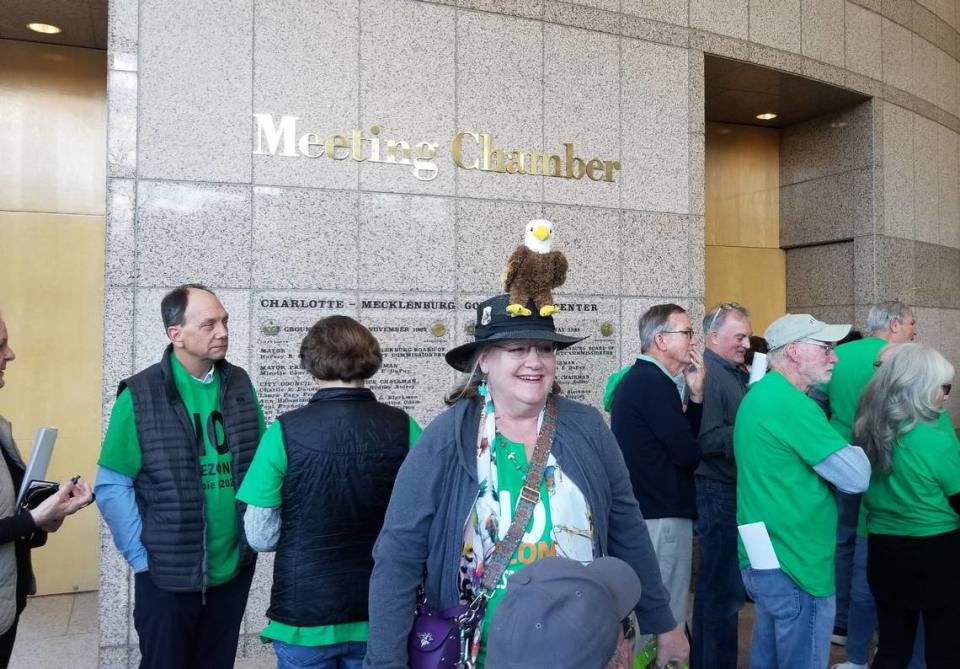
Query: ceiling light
{"points": [[767, 116], [44, 28]]}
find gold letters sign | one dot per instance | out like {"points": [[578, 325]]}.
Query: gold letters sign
{"points": [[469, 151]]}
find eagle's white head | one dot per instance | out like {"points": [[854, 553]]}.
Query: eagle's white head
{"points": [[537, 235]]}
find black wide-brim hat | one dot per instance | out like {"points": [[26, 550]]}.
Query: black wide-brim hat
{"points": [[495, 324]]}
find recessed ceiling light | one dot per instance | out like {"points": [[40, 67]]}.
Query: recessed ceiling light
{"points": [[44, 28], [766, 116]]}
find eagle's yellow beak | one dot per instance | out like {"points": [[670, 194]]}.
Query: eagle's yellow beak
{"points": [[541, 232]]}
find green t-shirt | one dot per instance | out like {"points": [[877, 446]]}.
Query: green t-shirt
{"points": [[778, 436], [911, 500], [121, 453], [263, 486], [534, 545], [613, 382], [851, 374]]}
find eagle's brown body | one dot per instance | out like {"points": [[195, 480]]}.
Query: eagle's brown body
{"points": [[531, 275]]}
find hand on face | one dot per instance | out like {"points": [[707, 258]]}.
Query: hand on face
{"points": [[675, 343], [694, 374]]}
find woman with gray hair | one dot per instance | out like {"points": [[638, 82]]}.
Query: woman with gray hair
{"points": [[912, 506]]}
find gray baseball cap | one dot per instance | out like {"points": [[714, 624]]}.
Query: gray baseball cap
{"points": [[793, 327], [558, 612]]}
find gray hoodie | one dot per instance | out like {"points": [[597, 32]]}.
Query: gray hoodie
{"points": [[432, 499]]}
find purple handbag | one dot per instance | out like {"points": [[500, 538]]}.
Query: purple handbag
{"points": [[435, 640]]}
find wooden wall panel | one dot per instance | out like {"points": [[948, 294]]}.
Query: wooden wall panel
{"points": [[52, 196], [54, 115], [754, 277], [742, 187]]}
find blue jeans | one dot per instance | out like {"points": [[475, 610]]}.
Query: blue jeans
{"points": [[848, 513], [792, 628], [719, 591], [862, 616], [348, 655]]}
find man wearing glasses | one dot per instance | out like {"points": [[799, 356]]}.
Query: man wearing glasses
{"points": [[656, 427], [719, 588], [787, 454]]}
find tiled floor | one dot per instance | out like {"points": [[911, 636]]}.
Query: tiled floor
{"points": [[61, 630], [58, 631]]}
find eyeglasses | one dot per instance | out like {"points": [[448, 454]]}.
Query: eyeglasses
{"points": [[946, 388], [521, 351], [720, 309], [688, 332], [828, 347]]}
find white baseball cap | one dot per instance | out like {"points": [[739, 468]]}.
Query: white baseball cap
{"points": [[793, 327]]}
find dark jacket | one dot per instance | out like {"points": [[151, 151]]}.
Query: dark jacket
{"points": [[658, 440], [723, 388], [168, 488], [343, 452], [435, 491]]}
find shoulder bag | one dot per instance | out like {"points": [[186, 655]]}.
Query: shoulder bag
{"points": [[442, 639]]}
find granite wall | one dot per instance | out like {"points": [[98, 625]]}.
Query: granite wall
{"points": [[826, 201], [286, 239]]}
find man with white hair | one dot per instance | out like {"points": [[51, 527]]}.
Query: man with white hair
{"points": [[787, 454], [887, 323]]}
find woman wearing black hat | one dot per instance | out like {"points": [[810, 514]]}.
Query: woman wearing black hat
{"points": [[507, 447]]}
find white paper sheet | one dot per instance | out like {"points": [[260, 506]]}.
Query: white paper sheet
{"points": [[756, 541], [759, 367]]}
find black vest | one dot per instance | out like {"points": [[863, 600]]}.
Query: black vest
{"points": [[168, 487], [343, 452]]}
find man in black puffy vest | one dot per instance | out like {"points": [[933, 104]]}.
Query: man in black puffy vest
{"points": [[181, 437]]}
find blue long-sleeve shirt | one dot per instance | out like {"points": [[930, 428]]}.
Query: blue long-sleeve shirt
{"points": [[118, 506]]}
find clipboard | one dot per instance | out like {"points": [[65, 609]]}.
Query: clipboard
{"points": [[39, 459]]}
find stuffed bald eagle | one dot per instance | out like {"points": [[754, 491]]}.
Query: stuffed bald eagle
{"points": [[533, 270]]}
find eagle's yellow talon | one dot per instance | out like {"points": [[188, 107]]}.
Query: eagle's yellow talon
{"points": [[518, 310], [548, 310]]}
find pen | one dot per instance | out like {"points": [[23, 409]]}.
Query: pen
{"points": [[93, 496]]}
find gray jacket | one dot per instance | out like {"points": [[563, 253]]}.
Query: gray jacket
{"points": [[432, 498], [724, 388]]}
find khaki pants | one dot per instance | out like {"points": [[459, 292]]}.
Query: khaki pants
{"points": [[673, 542]]}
